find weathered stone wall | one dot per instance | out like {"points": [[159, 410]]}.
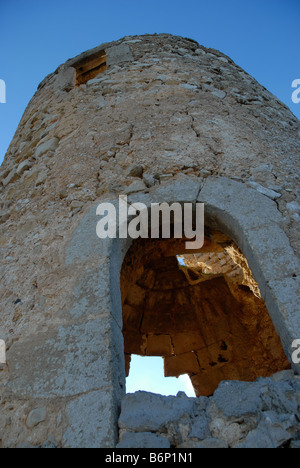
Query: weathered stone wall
{"points": [[162, 108], [261, 414]]}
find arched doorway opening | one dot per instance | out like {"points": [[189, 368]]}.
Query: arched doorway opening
{"points": [[251, 220], [201, 311]]}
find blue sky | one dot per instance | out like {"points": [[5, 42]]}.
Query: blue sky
{"points": [[262, 36], [147, 373]]}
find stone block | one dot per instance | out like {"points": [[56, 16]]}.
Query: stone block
{"points": [[92, 421], [136, 186], [85, 244], [265, 436], [64, 362], [159, 345], [236, 399], [143, 411], [24, 166], [265, 191], [184, 342], [270, 255], [12, 177], [66, 80], [186, 363], [118, 54], [46, 147], [234, 208], [233, 400], [283, 303], [92, 293], [183, 188]]}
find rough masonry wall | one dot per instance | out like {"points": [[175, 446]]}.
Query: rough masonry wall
{"points": [[161, 106], [261, 414]]}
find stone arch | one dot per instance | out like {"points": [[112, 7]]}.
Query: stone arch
{"points": [[253, 221]]}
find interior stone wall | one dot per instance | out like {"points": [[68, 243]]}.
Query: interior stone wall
{"points": [[210, 326]]}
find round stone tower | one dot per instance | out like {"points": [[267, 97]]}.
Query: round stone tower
{"points": [[157, 118]]}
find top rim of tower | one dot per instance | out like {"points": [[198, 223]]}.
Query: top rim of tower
{"points": [[153, 40]]}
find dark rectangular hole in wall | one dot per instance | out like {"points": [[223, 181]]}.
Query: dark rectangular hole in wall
{"points": [[90, 67]]}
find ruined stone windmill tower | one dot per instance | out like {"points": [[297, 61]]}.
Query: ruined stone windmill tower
{"points": [[160, 119]]}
